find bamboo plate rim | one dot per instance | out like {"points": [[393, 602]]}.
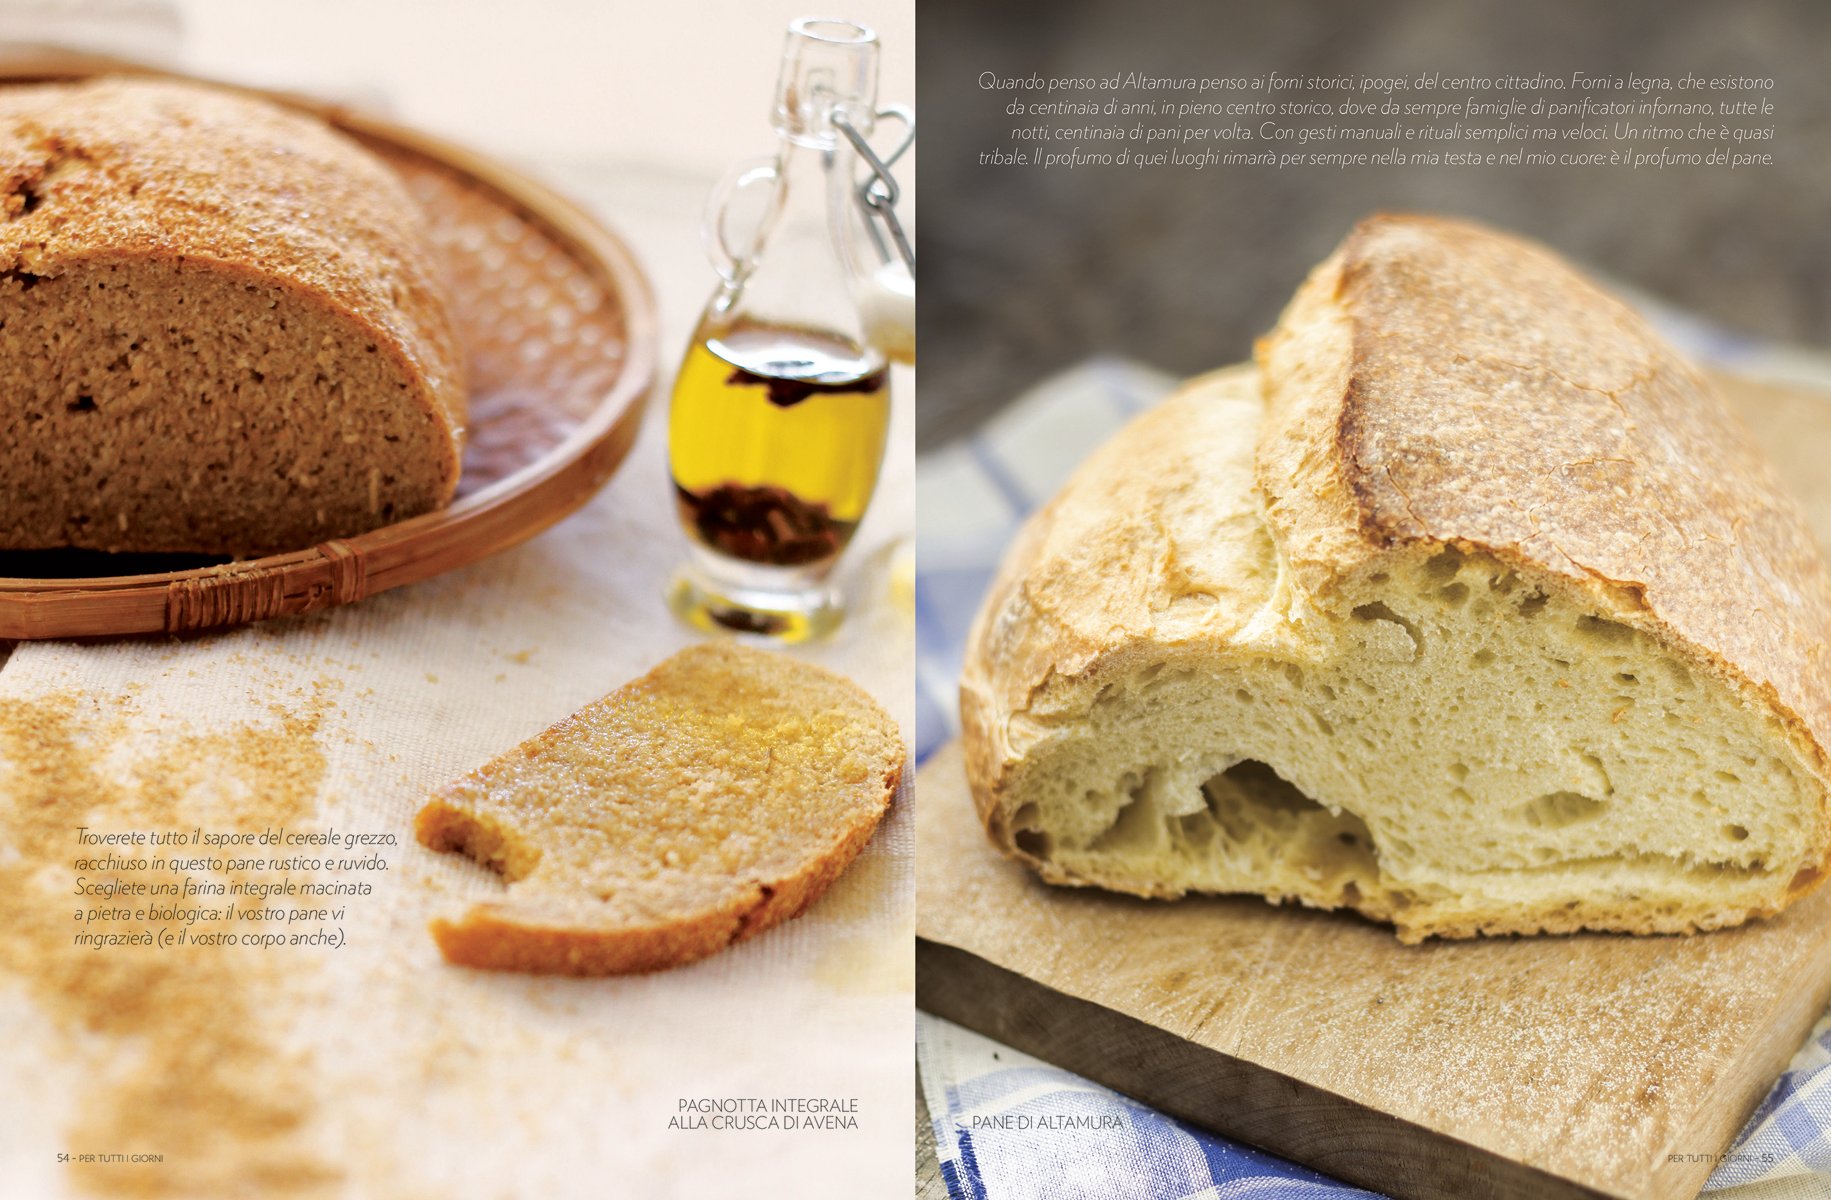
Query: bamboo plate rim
{"points": [[346, 569]]}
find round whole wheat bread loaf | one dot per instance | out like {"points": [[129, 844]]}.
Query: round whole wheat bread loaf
{"points": [[222, 327], [717, 796], [1472, 609]]}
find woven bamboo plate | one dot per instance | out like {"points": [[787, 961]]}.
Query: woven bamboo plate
{"points": [[559, 324]]}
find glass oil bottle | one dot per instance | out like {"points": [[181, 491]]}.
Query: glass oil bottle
{"points": [[781, 408]]}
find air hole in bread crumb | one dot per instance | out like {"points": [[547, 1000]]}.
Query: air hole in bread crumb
{"points": [[1263, 787], [1253, 807], [1443, 566], [1481, 658], [1533, 604], [1136, 824], [1558, 810], [81, 404], [1729, 777], [1459, 771], [1594, 763], [1242, 695], [1033, 842], [1378, 611], [1454, 595], [1600, 630], [1025, 817], [1736, 833], [1195, 830], [1293, 674]]}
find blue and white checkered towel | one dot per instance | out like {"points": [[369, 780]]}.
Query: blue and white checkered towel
{"points": [[1008, 1127]]}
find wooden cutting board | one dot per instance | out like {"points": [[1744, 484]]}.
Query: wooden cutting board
{"points": [[1514, 1067]]}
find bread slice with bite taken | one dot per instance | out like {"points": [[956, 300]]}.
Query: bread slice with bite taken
{"points": [[715, 797]]}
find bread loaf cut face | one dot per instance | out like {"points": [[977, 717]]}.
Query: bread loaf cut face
{"points": [[222, 327], [718, 795], [1471, 610]]}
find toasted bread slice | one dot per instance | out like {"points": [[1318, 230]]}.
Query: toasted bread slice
{"points": [[714, 797]]}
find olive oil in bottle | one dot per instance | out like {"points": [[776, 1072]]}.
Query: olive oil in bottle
{"points": [[780, 412], [775, 437]]}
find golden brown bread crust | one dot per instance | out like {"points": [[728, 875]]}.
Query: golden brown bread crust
{"points": [[717, 796], [121, 173], [1433, 384], [1488, 395], [1081, 592]]}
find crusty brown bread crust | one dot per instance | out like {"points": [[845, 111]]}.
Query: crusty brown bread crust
{"points": [[717, 796], [1456, 412], [1436, 381], [224, 329]]}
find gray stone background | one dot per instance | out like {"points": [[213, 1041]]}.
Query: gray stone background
{"points": [[1025, 272]]}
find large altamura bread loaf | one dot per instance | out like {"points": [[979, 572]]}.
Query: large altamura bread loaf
{"points": [[222, 327], [1471, 609]]}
